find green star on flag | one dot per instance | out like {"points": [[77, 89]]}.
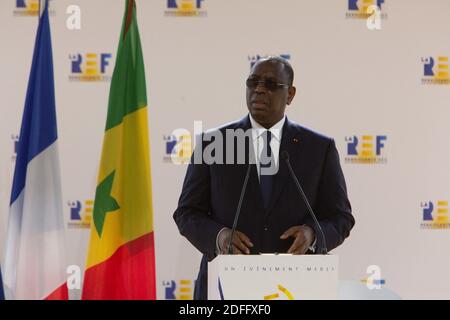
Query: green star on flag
{"points": [[104, 202]]}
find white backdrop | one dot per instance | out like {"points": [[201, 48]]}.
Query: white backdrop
{"points": [[351, 81]]}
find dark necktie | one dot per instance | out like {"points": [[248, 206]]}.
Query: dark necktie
{"points": [[267, 161]]}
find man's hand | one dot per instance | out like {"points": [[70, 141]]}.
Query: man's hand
{"points": [[241, 243], [304, 237]]}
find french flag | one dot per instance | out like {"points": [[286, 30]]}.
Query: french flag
{"points": [[1, 287], [35, 266]]}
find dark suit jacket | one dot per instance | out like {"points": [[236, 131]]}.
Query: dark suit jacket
{"points": [[211, 193]]}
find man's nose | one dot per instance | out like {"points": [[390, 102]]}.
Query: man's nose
{"points": [[260, 87]]}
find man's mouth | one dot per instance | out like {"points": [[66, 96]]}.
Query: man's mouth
{"points": [[259, 103]]}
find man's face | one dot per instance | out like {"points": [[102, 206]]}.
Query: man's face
{"points": [[269, 92]]}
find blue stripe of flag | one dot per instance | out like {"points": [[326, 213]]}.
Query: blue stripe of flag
{"points": [[39, 128], [2, 295]]}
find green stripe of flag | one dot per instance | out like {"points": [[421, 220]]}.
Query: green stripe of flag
{"points": [[128, 86]]}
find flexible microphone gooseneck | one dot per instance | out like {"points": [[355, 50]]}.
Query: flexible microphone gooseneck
{"points": [[285, 156], [238, 210]]}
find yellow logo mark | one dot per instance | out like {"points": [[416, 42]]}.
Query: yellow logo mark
{"points": [[186, 147], [367, 147], [33, 5], [182, 151], [187, 5], [442, 212], [366, 4], [442, 68], [87, 216], [187, 8], [185, 291], [277, 295], [91, 65], [31, 8]]}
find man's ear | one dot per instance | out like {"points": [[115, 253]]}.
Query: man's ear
{"points": [[291, 94]]}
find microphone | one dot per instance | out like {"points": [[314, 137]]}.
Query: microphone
{"points": [[285, 156], [238, 210]]}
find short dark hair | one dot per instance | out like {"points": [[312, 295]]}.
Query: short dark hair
{"points": [[284, 62]]}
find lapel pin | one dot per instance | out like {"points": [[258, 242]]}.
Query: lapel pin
{"points": [[295, 140]]}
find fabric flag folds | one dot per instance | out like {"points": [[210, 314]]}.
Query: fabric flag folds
{"points": [[34, 263], [121, 257], [2, 296]]}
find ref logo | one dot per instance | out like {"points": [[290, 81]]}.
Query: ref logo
{"points": [[185, 8], [365, 149], [364, 9], [90, 67], [374, 280], [178, 147], [285, 294], [28, 8], [435, 70], [435, 215], [15, 141], [181, 290], [255, 58], [80, 214]]}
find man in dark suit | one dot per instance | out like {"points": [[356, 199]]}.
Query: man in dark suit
{"points": [[273, 217]]}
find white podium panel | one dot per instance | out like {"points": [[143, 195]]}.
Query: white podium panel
{"points": [[273, 277]]}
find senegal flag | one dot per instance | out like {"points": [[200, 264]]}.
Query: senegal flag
{"points": [[121, 258]]}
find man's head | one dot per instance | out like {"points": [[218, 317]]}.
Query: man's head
{"points": [[269, 90]]}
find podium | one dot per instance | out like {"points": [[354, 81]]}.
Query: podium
{"points": [[273, 277]]}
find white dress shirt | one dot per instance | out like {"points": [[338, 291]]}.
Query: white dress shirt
{"points": [[258, 141]]}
